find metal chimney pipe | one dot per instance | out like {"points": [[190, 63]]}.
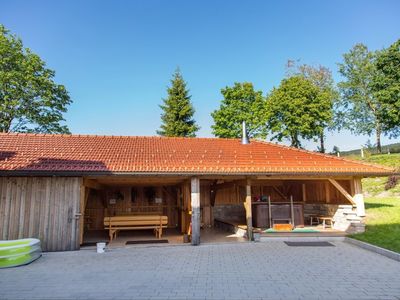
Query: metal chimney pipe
{"points": [[245, 138]]}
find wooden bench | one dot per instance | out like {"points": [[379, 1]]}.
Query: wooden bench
{"points": [[137, 222]]}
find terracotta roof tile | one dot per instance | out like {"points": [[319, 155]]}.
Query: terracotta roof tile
{"points": [[133, 154]]}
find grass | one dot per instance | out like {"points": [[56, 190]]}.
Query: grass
{"points": [[382, 222], [393, 148], [388, 160], [382, 207]]}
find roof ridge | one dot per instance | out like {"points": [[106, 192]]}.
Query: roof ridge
{"points": [[111, 136], [327, 155]]}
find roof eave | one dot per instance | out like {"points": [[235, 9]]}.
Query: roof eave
{"points": [[41, 173]]}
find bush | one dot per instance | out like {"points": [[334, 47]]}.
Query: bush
{"points": [[392, 182]]}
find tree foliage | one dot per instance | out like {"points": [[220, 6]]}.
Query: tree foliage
{"points": [[177, 117], [321, 77], [297, 109], [240, 103], [30, 100], [386, 88], [359, 109]]}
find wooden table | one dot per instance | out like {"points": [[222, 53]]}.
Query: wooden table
{"points": [[324, 219]]}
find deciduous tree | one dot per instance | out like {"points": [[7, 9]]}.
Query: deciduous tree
{"points": [[359, 108], [386, 88], [321, 77], [240, 103], [30, 100], [297, 109]]}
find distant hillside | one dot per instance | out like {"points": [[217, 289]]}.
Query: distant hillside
{"points": [[389, 160], [393, 148]]}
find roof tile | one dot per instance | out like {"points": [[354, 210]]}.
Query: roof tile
{"points": [[85, 154]]}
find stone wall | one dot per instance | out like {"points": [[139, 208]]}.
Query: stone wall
{"points": [[320, 209], [344, 216]]}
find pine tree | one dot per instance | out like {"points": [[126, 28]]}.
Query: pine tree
{"points": [[177, 117]]}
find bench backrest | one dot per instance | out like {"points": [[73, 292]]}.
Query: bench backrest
{"points": [[148, 220]]}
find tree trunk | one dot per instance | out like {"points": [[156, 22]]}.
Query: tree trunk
{"points": [[295, 141], [378, 138], [322, 139]]}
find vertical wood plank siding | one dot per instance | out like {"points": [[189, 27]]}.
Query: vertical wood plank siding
{"points": [[41, 207]]}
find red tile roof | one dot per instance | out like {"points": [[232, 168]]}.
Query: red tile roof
{"points": [[85, 154]]}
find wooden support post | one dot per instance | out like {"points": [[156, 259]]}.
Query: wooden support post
{"points": [[359, 197], [195, 201], [327, 192], [269, 212], [249, 218], [304, 191], [291, 211], [352, 193]]}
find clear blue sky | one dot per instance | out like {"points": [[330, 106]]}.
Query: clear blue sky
{"points": [[116, 57]]}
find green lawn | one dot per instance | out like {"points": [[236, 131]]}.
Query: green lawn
{"points": [[382, 222], [389, 160], [382, 207]]}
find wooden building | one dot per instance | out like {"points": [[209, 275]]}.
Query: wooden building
{"points": [[54, 187]]}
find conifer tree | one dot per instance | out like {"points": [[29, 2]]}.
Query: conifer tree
{"points": [[177, 117]]}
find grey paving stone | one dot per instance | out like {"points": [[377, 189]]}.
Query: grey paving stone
{"points": [[269, 270]]}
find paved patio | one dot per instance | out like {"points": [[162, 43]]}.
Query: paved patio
{"points": [[270, 270]]}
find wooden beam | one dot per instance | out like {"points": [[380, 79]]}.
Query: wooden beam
{"points": [[225, 185], [280, 193], [195, 201], [304, 192], [290, 177], [93, 184], [359, 197], [254, 182], [249, 218], [342, 190], [327, 192]]}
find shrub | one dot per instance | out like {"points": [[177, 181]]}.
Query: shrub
{"points": [[392, 182]]}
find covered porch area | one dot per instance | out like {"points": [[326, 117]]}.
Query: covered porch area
{"points": [[219, 208]]}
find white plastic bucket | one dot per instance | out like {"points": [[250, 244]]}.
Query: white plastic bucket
{"points": [[101, 247]]}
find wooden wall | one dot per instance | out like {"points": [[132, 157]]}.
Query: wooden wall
{"points": [[130, 200], [43, 208], [206, 211], [278, 190], [205, 206]]}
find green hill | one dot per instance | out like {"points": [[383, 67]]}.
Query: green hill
{"points": [[382, 206], [392, 148]]}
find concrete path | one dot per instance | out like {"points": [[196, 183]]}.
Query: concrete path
{"points": [[220, 271]]}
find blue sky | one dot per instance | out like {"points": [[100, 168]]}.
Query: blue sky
{"points": [[116, 57]]}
